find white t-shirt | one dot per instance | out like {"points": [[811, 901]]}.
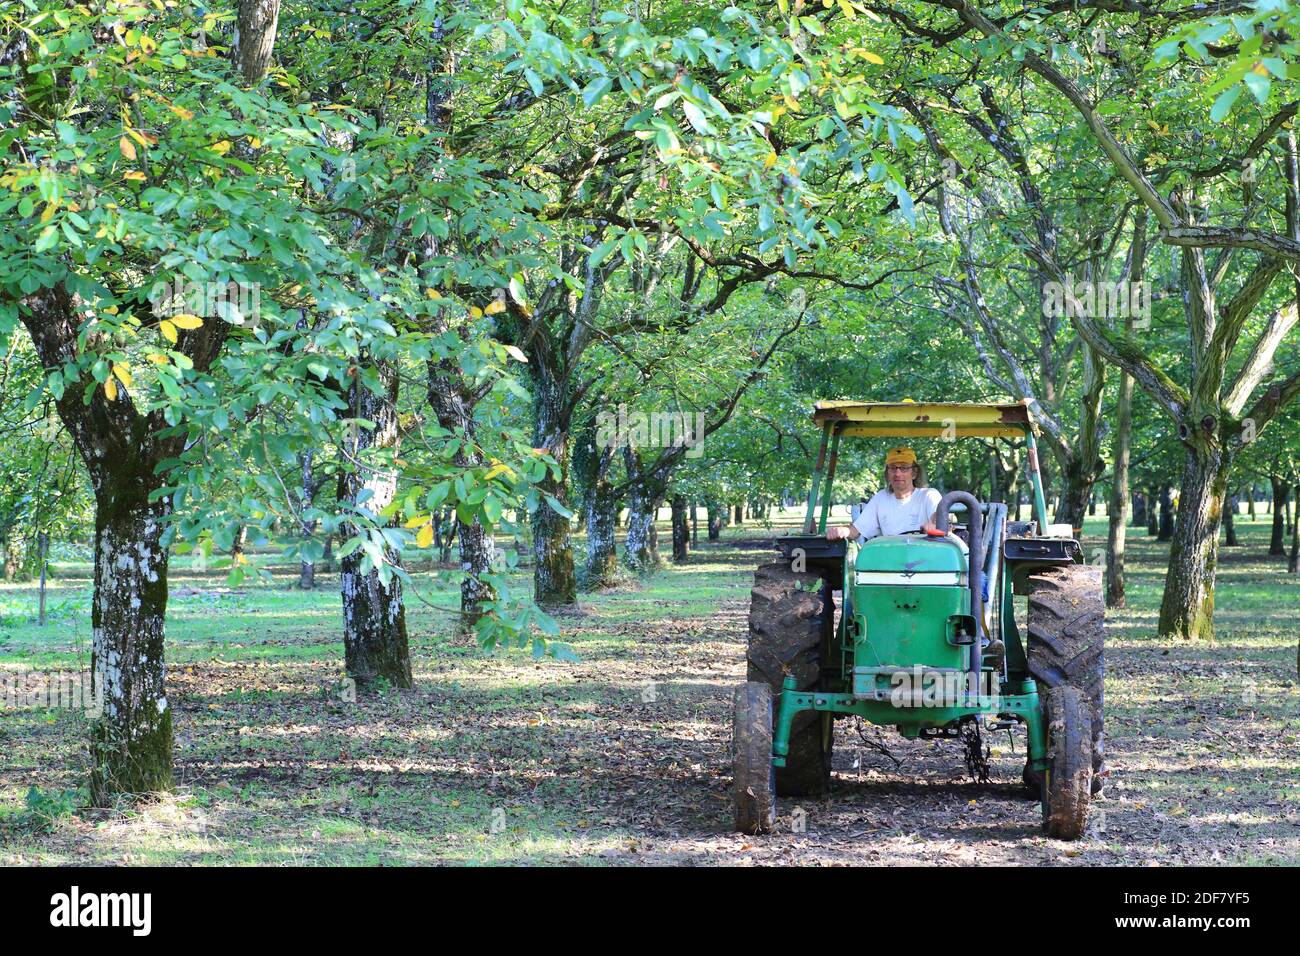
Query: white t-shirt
{"points": [[885, 514]]}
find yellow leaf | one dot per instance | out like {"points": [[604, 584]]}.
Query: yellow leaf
{"points": [[127, 147], [123, 372], [495, 306], [180, 111], [134, 175], [770, 161], [140, 137], [499, 470], [791, 102], [221, 148], [168, 331], [48, 214], [184, 321], [425, 536], [433, 293], [475, 312], [417, 521], [848, 9], [516, 354], [110, 389], [872, 58], [157, 359]]}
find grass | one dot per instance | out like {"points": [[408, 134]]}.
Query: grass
{"points": [[622, 757]]}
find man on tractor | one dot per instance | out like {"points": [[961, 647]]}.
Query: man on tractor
{"points": [[905, 504]]}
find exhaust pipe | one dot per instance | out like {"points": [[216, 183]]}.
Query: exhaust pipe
{"points": [[975, 556]]}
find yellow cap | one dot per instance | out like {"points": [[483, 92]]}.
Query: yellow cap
{"points": [[900, 456]]}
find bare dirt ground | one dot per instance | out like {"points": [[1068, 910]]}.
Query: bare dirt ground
{"points": [[622, 759]]}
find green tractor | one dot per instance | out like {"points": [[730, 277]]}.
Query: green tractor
{"points": [[912, 645]]}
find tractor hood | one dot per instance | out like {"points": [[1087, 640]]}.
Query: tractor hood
{"points": [[907, 555]]}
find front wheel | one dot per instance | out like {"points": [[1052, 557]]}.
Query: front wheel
{"points": [[754, 776], [1067, 783]]}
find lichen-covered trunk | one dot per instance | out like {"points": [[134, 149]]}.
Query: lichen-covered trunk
{"points": [[1075, 492], [681, 531], [641, 547], [554, 581], [478, 553], [131, 738], [1187, 609], [374, 615], [602, 506]]}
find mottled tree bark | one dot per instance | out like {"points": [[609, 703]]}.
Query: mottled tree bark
{"points": [[1187, 608], [254, 43], [602, 502], [374, 616], [644, 493], [681, 531], [554, 581]]}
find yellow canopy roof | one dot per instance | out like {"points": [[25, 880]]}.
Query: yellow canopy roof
{"points": [[925, 419]]}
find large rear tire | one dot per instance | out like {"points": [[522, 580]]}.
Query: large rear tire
{"points": [[791, 624], [1067, 784], [753, 781], [1067, 630]]}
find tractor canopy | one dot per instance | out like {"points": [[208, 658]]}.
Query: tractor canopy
{"points": [[925, 419]]}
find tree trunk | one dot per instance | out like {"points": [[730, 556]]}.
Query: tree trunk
{"points": [[644, 493], [307, 526], [695, 522], [1250, 502], [132, 738], [454, 409], [681, 533], [1293, 561], [1230, 523], [1187, 610], [602, 505], [554, 582], [1166, 515], [1153, 512], [1277, 543], [739, 518], [1117, 527], [713, 516], [1139, 509], [374, 616], [239, 543], [255, 38]]}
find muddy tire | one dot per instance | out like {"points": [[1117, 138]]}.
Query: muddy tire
{"points": [[1067, 784], [791, 621], [1065, 646], [753, 779]]}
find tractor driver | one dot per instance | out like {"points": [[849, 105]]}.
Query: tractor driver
{"points": [[904, 504]]}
